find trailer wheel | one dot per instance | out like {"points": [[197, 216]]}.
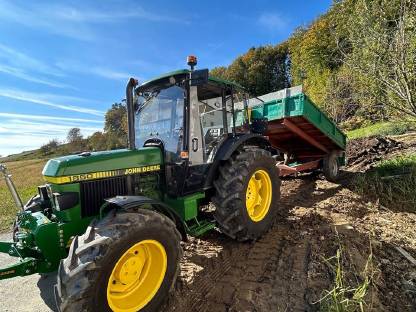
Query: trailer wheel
{"points": [[129, 261], [331, 167], [247, 194]]}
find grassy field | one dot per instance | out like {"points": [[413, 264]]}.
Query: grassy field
{"points": [[382, 129], [26, 175]]}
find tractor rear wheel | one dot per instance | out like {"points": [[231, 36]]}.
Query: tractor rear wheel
{"points": [[128, 261], [247, 194]]}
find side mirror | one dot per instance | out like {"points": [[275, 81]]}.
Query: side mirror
{"points": [[199, 77]]}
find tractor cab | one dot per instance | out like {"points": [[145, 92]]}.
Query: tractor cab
{"points": [[189, 115]]}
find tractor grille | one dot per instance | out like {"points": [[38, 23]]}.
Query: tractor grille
{"points": [[93, 193]]}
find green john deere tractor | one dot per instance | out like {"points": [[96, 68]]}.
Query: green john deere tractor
{"points": [[111, 222]]}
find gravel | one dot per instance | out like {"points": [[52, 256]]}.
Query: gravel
{"points": [[28, 293]]}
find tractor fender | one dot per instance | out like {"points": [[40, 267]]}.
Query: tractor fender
{"points": [[229, 146], [131, 202]]}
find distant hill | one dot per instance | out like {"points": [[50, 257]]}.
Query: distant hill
{"points": [[36, 154]]}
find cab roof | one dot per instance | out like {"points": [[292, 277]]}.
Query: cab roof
{"points": [[187, 71]]}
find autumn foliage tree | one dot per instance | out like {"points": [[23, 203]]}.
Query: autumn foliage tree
{"points": [[115, 126], [261, 70]]}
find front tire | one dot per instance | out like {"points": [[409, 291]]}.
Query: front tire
{"points": [[247, 194], [128, 261]]}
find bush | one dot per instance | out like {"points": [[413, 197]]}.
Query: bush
{"points": [[50, 147]]}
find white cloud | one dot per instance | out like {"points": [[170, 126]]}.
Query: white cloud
{"points": [[51, 100], [110, 16], [28, 77], [45, 117], [34, 15], [109, 74], [19, 59], [21, 65], [74, 22], [20, 135], [273, 21], [75, 66]]}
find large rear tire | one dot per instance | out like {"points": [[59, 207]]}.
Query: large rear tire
{"points": [[247, 194], [128, 261]]}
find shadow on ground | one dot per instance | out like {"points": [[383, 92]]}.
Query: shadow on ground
{"points": [[46, 285]]}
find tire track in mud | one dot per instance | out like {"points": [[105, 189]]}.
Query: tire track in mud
{"points": [[213, 259], [270, 274]]}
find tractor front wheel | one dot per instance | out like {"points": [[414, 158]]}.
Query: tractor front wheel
{"points": [[129, 261]]}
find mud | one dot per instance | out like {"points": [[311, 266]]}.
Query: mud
{"points": [[288, 268], [364, 153]]}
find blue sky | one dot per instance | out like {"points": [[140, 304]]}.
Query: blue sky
{"points": [[63, 63]]}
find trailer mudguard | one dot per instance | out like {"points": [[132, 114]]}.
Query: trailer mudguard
{"points": [[229, 146], [130, 202]]}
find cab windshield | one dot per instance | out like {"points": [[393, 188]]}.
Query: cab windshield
{"points": [[159, 115]]}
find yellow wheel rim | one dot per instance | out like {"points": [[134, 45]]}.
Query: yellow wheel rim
{"points": [[258, 195], [137, 276]]}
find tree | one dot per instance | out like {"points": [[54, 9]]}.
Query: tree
{"points": [[261, 70], [383, 44], [49, 147], [219, 72], [116, 126], [97, 141], [74, 135], [75, 140]]}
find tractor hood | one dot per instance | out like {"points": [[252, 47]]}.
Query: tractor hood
{"points": [[91, 166]]}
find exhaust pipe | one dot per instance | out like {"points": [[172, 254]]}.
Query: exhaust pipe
{"points": [[130, 112], [12, 188]]}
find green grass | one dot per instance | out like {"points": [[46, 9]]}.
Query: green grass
{"points": [[382, 129], [343, 296], [26, 175], [392, 183]]}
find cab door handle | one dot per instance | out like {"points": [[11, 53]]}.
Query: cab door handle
{"points": [[194, 144]]}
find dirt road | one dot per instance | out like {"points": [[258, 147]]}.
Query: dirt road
{"points": [[286, 270]]}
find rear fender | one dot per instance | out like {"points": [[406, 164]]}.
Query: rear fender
{"points": [[130, 202], [229, 146]]}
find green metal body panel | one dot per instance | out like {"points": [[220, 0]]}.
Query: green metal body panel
{"points": [[24, 267], [301, 105], [201, 227], [102, 161], [186, 207]]}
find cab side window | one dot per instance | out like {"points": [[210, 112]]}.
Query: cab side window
{"points": [[211, 114]]}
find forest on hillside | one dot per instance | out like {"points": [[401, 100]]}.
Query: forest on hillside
{"points": [[357, 62]]}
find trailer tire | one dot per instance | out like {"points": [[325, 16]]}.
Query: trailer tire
{"points": [[331, 167], [237, 192], [131, 253]]}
